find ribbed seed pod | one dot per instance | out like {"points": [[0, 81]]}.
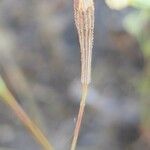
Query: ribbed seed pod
{"points": [[84, 20]]}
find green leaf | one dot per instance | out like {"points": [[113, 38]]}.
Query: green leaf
{"points": [[142, 4], [133, 23]]}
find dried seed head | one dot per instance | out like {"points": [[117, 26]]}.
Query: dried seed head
{"points": [[83, 4], [84, 20]]}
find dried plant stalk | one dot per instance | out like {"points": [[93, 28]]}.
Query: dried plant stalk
{"points": [[84, 20], [9, 99]]}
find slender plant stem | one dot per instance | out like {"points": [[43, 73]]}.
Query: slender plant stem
{"points": [[80, 116], [9, 99], [84, 21]]}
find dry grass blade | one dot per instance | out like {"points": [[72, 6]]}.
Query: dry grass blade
{"points": [[8, 98], [84, 20]]}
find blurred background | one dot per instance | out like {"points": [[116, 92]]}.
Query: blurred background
{"points": [[40, 63]]}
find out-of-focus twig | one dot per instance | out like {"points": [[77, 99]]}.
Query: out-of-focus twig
{"points": [[9, 99], [13, 73]]}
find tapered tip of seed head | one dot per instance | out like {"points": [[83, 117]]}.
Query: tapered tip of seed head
{"points": [[83, 5]]}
